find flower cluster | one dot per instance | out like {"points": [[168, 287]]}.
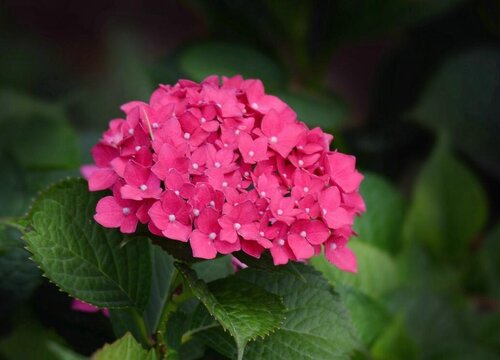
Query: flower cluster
{"points": [[227, 167]]}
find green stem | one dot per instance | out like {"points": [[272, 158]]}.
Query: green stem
{"points": [[240, 353], [186, 337], [169, 307], [141, 326], [12, 222]]}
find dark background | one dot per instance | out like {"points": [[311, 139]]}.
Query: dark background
{"points": [[393, 80]]}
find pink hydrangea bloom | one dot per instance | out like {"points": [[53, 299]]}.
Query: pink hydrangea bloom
{"points": [[226, 167]]}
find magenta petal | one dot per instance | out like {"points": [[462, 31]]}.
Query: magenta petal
{"points": [[343, 258], [101, 179], [129, 224], [252, 248], [317, 232], [158, 216], [228, 235], [338, 218], [87, 170], [202, 246], [300, 247], [131, 192], [225, 247], [109, 213], [78, 305], [279, 254], [177, 231]]}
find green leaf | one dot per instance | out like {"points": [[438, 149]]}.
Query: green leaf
{"points": [[162, 278], [244, 310], [124, 348], [377, 273], [13, 188], [329, 113], [489, 257], [31, 341], [461, 100], [448, 209], [97, 265], [191, 329], [368, 316], [214, 269], [381, 224], [125, 321], [19, 276], [394, 343], [213, 58], [317, 325], [55, 143], [181, 344], [368, 19], [434, 322], [419, 272]]}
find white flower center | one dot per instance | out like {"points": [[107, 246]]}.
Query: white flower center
{"points": [[196, 212], [225, 184], [203, 120], [143, 187], [307, 210], [303, 234], [177, 192], [333, 246], [212, 235], [137, 148], [171, 217], [251, 153], [281, 242], [126, 211], [301, 162], [212, 203], [155, 125], [279, 212], [255, 105], [187, 136], [324, 211], [261, 233], [273, 139], [195, 166], [237, 132], [306, 189], [131, 131], [263, 193], [237, 226], [217, 164]]}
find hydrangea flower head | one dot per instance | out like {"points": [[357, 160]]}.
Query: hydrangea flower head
{"points": [[226, 167]]}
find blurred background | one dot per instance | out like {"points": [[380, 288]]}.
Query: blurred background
{"points": [[410, 87]]}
